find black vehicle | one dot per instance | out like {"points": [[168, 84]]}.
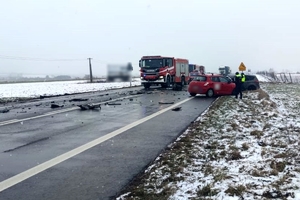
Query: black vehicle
{"points": [[251, 83]]}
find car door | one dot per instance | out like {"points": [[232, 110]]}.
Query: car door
{"points": [[216, 85], [226, 86]]}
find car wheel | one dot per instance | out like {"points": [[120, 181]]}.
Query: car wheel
{"points": [[193, 94], [210, 93], [251, 87]]}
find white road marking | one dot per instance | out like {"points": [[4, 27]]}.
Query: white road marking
{"points": [[7, 122], [3, 123], [50, 163]]}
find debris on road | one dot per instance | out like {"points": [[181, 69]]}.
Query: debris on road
{"points": [[135, 92], [83, 107], [78, 99], [113, 104], [56, 106], [176, 109], [5, 110], [89, 106], [172, 102]]}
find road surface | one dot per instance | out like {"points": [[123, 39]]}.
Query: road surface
{"points": [[68, 153]]}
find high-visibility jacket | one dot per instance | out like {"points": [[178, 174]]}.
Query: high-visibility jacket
{"points": [[243, 78], [238, 76], [238, 79]]}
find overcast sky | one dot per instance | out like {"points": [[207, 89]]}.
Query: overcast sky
{"points": [[262, 34]]}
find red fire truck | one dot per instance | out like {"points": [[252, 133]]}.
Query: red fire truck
{"points": [[164, 71]]}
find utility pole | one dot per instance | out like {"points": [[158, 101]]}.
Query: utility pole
{"points": [[91, 73]]}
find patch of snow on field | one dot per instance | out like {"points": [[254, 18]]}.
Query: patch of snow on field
{"points": [[238, 149], [262, 78], [56, 88]]}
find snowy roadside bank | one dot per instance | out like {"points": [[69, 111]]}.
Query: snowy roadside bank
{"points": [[245, 149], [27, 91]]}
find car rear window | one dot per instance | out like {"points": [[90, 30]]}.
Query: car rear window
{"points": [[250, 78], [200, 78]]}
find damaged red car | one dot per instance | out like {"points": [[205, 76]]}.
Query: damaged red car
{"points": [[211, 85]]}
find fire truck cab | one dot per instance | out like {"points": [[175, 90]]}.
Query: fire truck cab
{"points": [[164, 71]]}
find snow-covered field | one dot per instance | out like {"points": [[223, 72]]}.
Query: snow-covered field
{"points": [[263, 78], [294, 77], [56, 88], [238, 149]]}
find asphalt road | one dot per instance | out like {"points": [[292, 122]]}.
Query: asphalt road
{"points": [[52, 157]]}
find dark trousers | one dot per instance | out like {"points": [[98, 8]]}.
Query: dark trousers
{"points": [[238, 91]]}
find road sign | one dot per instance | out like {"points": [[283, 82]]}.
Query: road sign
{"points": [[242, 67]]}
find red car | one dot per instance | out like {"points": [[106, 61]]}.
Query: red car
{"points": [[211, 85]]}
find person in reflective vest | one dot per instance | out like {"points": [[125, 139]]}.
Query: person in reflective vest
{"points": [[238, 85], [243, 77]]}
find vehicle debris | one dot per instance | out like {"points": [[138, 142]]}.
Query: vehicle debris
{"points": [[56, 106], [5, 110], [78, 99], [89, 106], [176, 109], [113, 104], [172, 102]]}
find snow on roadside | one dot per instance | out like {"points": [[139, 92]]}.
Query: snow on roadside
{"points": [[56, 88], [245, 149]]}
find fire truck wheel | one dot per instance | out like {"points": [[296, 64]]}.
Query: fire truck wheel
{"points": [[168, 81]]}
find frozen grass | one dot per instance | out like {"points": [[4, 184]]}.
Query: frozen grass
{"points": [[238, 149]]}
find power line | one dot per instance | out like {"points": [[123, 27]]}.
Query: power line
{"points": [[101, 61], [35, 59], [5, 57]]}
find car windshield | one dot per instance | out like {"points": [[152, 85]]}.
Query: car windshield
{"points": [[152, 63], [200, 78]]}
